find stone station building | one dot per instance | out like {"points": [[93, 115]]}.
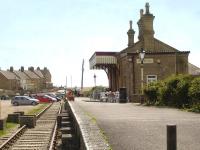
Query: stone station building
{"points": [[124, 68]]}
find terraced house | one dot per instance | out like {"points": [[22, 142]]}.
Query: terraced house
{"points": [[25, 81], [8, 80], [126, 69], [29, 80]]}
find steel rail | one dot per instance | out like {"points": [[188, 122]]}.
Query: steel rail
{"points": [[40, 113], [9, 142], [13, 137], [54, 134]]}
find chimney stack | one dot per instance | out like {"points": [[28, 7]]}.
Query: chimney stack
{"points": [[22, 68], [31, 69], [145, 25], [130, 33], [11, 69]]}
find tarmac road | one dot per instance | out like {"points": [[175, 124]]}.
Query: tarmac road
{"points": [[133, 127]]}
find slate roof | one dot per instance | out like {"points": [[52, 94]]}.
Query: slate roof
{"points": [[21, 75], [193, 70], [31, 74], [39, 73], [8, 74], [159, 48]]}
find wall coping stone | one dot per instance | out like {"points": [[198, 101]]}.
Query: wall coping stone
{"points": [[90, 132]]}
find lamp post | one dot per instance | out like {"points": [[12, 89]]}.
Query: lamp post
{"points": [[141, 55], [0, 109], [95, 80]]}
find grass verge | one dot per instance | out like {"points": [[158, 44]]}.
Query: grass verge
{"points": [[93, 120], [9, 126], [38, 109]]}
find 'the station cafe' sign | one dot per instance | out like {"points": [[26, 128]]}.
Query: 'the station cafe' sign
{"points": [[145, 61]]}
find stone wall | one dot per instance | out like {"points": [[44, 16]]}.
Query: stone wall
{"points": [[89, 134]]}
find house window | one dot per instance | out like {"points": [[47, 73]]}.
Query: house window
{"points": [[151, 78]]}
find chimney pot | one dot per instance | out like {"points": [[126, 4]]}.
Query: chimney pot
{"points": [[11, 69], [22, 68], [31, 69]]}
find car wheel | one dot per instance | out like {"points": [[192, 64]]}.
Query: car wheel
{"points": [[34, 103], [15, 103]]}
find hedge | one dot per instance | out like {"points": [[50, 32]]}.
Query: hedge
{"points": [[177, 91]]}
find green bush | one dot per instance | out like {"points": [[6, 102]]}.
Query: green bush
{"points": [[194, 91], [181, 91], [151, 91], [86, 93], [195, 108], [174, 91]]}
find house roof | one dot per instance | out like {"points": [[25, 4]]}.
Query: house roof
{"points": [[193, 70], [21, 75], [39, 73], [158, 47], [9, 75], [31, 74]]}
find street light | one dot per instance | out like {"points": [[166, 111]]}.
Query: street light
{"points": [[141, 55], [95, 80], [0, 109]]}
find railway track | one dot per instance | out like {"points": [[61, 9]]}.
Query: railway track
{"points": [[38, 138]]}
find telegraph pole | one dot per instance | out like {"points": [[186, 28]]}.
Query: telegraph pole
{"points": [[95, 80], [0, 108], [66, 82], [71, 81], [82, 75]]}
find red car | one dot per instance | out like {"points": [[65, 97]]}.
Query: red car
{"points": [[45, 98]]}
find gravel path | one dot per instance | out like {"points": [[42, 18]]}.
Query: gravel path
{"points": [[132, 127]]}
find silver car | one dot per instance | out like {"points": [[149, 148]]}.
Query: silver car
{"points": [[24, 100]]}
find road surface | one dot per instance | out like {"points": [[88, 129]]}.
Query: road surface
{"points": [[133, 127]]}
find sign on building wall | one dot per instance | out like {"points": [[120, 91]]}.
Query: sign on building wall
{"points": [[146, 61]]}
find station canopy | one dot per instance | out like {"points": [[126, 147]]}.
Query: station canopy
{"points": [[100, 60]]}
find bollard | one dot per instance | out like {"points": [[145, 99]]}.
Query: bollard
{"points": [[2, 124], [171, 137]]}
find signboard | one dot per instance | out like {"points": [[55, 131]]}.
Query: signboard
{"points": [[146, 61]]}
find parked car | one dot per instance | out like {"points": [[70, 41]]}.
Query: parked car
{"points": [[4, 97], [54, 96], [60, 95], [24, 100], [45, 98]]}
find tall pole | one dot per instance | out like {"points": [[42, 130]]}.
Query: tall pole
{"points": [[95, 80], [66, 82], [0, 108], [82, 75], [142, 78], [142, 54], [71, 81], [65, 88]]}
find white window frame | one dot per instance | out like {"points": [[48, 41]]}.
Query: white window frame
{"points": [[149, 80]]}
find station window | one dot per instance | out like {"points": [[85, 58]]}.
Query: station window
{"points": [[151, 78]]}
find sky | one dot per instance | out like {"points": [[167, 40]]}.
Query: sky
{"points": [[59, 34]]}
